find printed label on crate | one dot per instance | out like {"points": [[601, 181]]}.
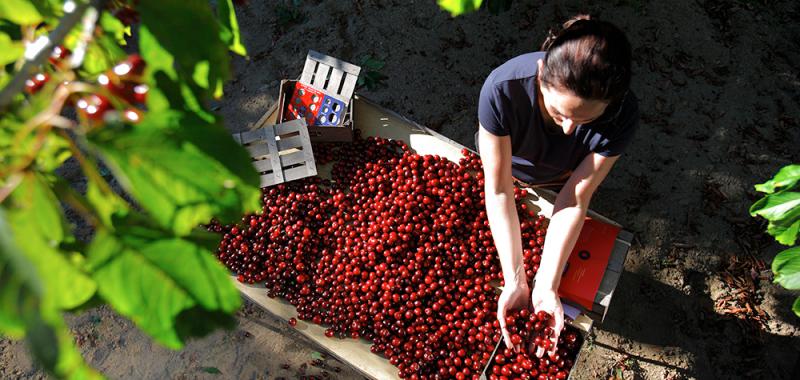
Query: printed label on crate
{"points": [[317, 108], [304, 104], [330, 113], [587, 263]]}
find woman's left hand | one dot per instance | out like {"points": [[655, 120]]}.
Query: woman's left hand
{"points": [[546, 299]]}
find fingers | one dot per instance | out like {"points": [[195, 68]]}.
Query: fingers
{"points": [[539, 352], [501, 317], [507, 339], [558, 324]]}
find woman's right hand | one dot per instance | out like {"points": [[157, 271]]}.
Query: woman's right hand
{"points": [[515, 296]]}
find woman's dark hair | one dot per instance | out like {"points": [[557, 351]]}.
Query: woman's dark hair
{"points": [[590, 58]]}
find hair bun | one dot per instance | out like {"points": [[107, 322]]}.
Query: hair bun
{"points": [[553, 34]]}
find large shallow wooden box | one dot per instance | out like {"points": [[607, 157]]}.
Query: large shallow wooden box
{"points": [[374, 120]]}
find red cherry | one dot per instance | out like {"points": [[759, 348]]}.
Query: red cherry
{"points": [[93, 106], [292, 322], [132, 115], [58, 55], [132, 66], [140, 93], [35, 83]]}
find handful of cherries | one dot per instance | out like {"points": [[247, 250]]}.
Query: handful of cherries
{"points": [[526, 328]]}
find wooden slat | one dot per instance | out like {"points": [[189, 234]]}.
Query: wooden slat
{"points": [[290, 142], [289, 127], [263, 166], [333, 62], [257, 150], [296, 173], [293, 158], [617, 260], [266, 117], [349, 87], [320, 76], [307, 152], [308, 71], [251, 136], [268, 180], [334, 82], [269, 139]]}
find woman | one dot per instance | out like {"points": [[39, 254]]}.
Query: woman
{"points": [[562, 117]]}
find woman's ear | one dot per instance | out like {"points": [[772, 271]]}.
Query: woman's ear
{"points": [[540, 64]]}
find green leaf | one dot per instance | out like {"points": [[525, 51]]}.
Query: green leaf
{"points": [[459, 7], [777, 206], [39, 226], [796, 307], [51, 342], [102, 53], [785, 235], [114, 28], [786, 267], [10, 50], [782, 210], [182, 170], [229, 27], [191, 36], [22, 12], [370, 63], [20, 289], [212, 370], [53, 153], [24, 311], [173, 275], [167, 90], [497, 6], [787, 177]]}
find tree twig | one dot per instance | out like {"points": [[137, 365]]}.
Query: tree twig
{"points": [[89, 24]]}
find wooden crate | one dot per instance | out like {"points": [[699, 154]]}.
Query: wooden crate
{"points": [[342, 133], [281, 152], [374, 120], [335, 78]]}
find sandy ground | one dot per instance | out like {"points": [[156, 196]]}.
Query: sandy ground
{"points": [[719, 86]]}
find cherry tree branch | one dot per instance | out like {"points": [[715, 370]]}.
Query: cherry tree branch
{"points": [[39, 50]]}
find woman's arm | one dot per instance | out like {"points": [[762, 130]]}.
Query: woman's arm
{"points": [[566, 222], [501, 211]]}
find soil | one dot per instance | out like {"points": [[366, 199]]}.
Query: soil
{"points": [[719, 90]]}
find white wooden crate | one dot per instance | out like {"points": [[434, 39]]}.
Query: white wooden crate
{"points": [[333, 76], [281, 152]]}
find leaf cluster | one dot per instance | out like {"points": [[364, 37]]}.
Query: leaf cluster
{"points": [[781, 207], [149, 258], [460, 7], [371, 77]]}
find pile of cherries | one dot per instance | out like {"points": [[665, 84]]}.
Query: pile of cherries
{"points": [[527, 328], [395, 248]]}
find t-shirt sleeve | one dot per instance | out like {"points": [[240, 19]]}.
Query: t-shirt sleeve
{"points": [[625, 128], [490, 108]]}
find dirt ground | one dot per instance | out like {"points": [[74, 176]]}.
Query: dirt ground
{"points": [[719, 86]]}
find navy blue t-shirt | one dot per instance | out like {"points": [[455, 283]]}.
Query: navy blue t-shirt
{"points": [[541, 154]]}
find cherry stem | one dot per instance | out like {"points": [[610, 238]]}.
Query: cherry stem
{"points": [[13, 181], [88, 165], [78, 202]]}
